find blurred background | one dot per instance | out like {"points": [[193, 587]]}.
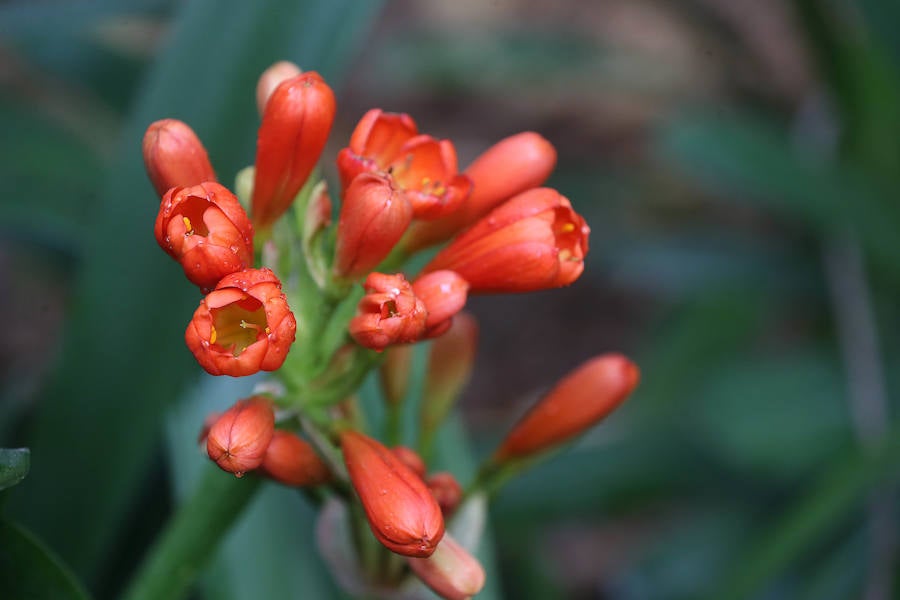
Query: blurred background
{"points": [[738, 163]]}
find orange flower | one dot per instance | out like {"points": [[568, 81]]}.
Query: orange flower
{"points": [[402, 513], [425, 168], [243, 326], [292, 461], [295, 126], [444, 294], [374, 216], [205, 228], [237, 441], [582, 398], [451, 572], [509, 167], [174, 156], [534, 241], [388, 314]]}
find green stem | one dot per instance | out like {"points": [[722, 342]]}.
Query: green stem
{"points": [[191, 537]]}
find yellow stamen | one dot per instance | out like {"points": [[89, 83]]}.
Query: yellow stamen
{"points": [[189, 229], [568, 228], [212, 336], [565, 254]]}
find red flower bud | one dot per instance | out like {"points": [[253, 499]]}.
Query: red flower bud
{"points": [[237, 442], [402, 513], [174, 156], [292, 461], [394, 373], [446, 490], [582, 398], [205, 228], [450, 364], [270, 79], [374, 216], [243, 326], [509, 167], [422, 166], [444, 294], [411, 459], [388, 314], [534, 241], [295, 126], [451, 572]]}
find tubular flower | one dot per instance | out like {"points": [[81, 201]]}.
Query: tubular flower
{"points": [[444, 294], [402, 513], [174, 156], [205, 228], [388, 314], [534, 241], [446, 490], [582, 398], [237, 441], [374, 215], [425, 168], [292, 461], [243, 326], [270, 79], [509, 167], [451, 572], [295, 126]]}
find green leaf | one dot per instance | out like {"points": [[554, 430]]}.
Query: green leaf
{"points": [[124, 358], [30, 570], [14, 465]]}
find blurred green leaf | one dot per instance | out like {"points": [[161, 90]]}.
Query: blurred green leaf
{"points": [[823, 507], [124, 358], [29, 570], [14, 465], [750, 159]]}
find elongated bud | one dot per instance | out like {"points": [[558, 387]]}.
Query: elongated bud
{"points": [[174, 156], [534, 241], [295, 127], [206, 230], [270, 79], [451, 572], [509, 167], [388, 314], [444, 294], [581, 399], [394, 373], [449, 367], [243, 326], [401, 511], [411, 459], [237, 442], [292, 461], [374, 215], [446, 490]]}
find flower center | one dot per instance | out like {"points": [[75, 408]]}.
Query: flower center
{"points": [[569, 236], [238, 325], [191, 211]]}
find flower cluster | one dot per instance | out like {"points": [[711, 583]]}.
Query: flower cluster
{"points": [[348, 284]]}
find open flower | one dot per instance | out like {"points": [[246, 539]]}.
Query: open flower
{"points": [[174, 156], [534, 241], [388, 314], [243, 326], [511, 166], [424, 167], [206, 230], [296, 122], [580, 400], [402, 513]]}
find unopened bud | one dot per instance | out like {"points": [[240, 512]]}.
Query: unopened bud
{"points": [[449, 367], [174, 156], [401, 511], [446, 491], [271, 79], [411, 459], [444, 294], [581, 399], [394, 373], [292, 461], [237, 442], [451, 572]]}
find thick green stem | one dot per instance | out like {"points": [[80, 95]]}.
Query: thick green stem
{"points": [[191, 537]]}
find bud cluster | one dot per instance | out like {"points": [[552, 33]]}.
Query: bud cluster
{"points": [[341, 291]]}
